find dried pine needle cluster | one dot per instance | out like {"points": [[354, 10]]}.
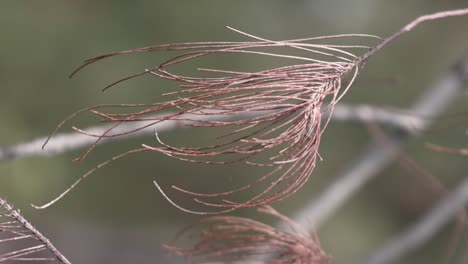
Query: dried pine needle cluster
{"points": [[229, 239], [275, 112]]}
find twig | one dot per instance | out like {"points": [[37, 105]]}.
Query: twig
{"points": [[412, 25], [21, 228], [380, 154], [64, 142], [424, 229]]}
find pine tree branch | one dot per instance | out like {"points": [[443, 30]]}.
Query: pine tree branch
{"points": [[13, 228]]}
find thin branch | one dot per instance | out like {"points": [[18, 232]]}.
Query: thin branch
{"points": [[382, 153], [420, 232], [14, 227], [412, 25], [64, 142]]}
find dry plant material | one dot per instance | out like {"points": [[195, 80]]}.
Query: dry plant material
{"points": [[280, 109], [230, 239], [21, 242]]}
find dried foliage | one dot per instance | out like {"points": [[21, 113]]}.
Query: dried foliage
{"points": [[229, 239], [286, 106], [22, 242]]}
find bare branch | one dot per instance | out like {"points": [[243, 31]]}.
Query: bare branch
{"points": [[412, 25], [21, 240], [445, 210], [64, 142], [423, 230]]}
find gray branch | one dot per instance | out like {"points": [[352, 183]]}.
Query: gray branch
{"points": [[420, 232], [64, 142]]}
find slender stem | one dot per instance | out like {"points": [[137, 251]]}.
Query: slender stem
{"points": [[410, 26]]}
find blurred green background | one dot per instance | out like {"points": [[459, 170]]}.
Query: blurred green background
{"points": [[117, 216]]}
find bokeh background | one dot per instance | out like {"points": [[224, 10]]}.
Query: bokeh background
{"points": [[117, 215]]}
